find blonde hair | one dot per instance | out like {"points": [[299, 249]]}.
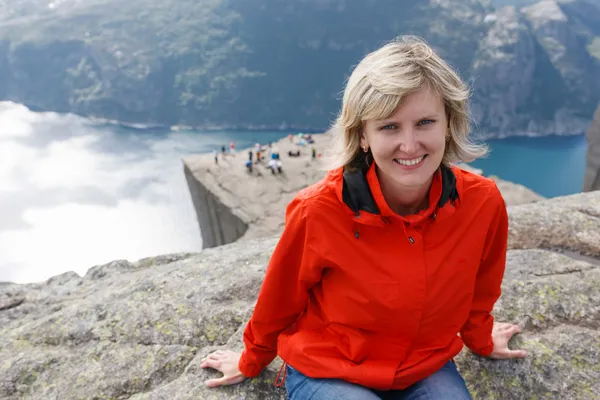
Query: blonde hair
{"points": [[377, 87]]}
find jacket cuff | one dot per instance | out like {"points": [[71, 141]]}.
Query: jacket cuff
{"points": [[483, 351], [486, 351], [247, 367]]}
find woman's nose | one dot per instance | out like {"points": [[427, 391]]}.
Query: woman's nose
{"points": [[408, 142]]}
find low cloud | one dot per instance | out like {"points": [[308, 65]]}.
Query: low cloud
{"points": [[74, 194]]}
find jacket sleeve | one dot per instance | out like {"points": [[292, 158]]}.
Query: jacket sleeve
{"points": [[293, 269], [477, 331]]}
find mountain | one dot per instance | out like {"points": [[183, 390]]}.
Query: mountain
{"points": [[517, 3], [280, 64], [537, 69], [523, 3]]}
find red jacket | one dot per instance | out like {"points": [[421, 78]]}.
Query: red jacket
{"points": [[356, 292]]}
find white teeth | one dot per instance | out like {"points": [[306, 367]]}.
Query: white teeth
{"points": [[414, 161]]}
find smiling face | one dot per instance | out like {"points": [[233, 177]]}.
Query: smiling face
{"points": [[408, 147]]}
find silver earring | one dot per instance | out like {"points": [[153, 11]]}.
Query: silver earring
{"points": [[365, 148]]}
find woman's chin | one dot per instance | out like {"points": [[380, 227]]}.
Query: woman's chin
{"points": [[413, 181], [414, 178]]}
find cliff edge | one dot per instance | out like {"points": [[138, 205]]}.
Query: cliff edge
{"points": [[232, 203], [592, 170]]}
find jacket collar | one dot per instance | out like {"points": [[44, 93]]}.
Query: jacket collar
{"points": [[361, 192]]}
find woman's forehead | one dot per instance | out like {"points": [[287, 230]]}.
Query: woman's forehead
{"points": [[420, 103]]}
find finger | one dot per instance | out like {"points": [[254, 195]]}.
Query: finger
{"points": [[513, 329], [217, 382], [216, 355], [516, 354], [211, 364]]}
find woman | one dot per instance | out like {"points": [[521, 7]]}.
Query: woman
{"points": [[392, 256]]}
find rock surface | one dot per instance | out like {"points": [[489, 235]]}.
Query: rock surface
{"points": [[592, 171], [138, 330], [514, 193], [231, 203]]}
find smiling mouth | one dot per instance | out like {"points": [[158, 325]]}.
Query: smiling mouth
{"points": [[412, 162]]}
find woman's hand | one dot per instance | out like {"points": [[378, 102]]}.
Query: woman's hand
{"points": [[226, 362], [501, 334]]}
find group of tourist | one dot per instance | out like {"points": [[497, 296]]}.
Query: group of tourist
{"points": [[274, 164], [260, 153]]}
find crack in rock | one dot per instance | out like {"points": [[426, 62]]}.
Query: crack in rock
{"points": [[11, 304]]}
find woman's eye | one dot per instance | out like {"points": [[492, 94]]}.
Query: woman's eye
{"points": [[388, 127], [425, 122]]}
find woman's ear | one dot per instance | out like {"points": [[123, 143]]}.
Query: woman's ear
{"points": [[363, 138]]}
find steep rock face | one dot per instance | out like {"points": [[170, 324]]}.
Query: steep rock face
{"points": [[219, 224], [592, 171], [139, 330], [566, 47], [505, 68], [535, 70]]}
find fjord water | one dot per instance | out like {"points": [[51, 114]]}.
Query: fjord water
{"points": [[74, 193], [549, 165]]}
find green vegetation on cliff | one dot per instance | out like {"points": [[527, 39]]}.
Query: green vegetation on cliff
{"points": [[276, 63]]}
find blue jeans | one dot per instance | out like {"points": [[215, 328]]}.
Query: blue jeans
{"points": [[445, 384]]}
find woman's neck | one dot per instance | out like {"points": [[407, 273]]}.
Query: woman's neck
{"points": [[405, 200]]}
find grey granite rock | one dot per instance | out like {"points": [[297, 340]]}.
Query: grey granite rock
{"points": [[138, 330], [569, 223]]}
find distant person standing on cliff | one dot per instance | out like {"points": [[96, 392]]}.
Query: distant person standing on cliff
{"points": [[392, 262], [257, 149]]}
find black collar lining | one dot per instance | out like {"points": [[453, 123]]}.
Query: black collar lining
{"points": [[357, 194]]}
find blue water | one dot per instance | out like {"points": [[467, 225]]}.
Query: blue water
{"points": [[549, 165]]}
